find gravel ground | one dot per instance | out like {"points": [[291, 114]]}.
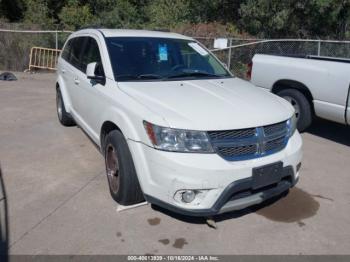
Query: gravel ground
{"points": [[59, 201]]}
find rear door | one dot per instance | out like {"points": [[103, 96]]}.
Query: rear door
{"points": [[76, 72], [65, 69], [64, 62]]}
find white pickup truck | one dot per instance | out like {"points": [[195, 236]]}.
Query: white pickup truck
{"points": [[315, 86]]}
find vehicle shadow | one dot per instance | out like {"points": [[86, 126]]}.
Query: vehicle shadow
{"points": [[330, 130], [221, 217]]}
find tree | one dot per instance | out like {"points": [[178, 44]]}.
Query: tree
{"points": [[224, 11], [119, 14], [260, 18], [298, 18], [74, 15], [168, 13], [11, 9], [37, 12]]}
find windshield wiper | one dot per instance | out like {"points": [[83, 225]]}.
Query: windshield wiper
{"points": [[193, 73], [187, 73], [138, 77], [149, 76]]}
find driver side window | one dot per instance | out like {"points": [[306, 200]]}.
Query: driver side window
{"points": [[92, 54]]}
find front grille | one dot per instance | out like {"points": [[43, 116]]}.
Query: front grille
{"points": [[275, 129], [275, 145], [232, 134], [244, 144], [237, 151]]}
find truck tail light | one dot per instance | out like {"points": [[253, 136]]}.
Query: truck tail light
{"points": [[249, 70]]}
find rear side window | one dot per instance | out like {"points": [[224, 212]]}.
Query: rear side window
{"points": [[72, 51], [66, 51]]}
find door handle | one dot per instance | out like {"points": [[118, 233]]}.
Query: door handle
{"points": [[76, 81], [63, 71]]}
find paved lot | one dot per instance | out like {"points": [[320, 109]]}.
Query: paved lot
{"points": [[59, 201]]}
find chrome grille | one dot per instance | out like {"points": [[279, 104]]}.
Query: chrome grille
{"points": [[244, 144]]}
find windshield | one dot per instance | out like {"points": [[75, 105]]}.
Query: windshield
{"points": [[159, 59]]}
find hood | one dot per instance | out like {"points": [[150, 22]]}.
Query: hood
{"points": [[219, 104]]}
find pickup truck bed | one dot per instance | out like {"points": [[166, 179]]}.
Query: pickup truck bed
{"points": [[314, 85]]}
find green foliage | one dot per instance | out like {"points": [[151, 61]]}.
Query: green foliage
{"points": [[74, 15], [205, 11], [295, 18], [11, 10], [168, 13], [118, 14], [37, 12], [261, 18]]}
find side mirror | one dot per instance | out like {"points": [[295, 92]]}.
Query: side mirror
{"points": [[91, 70]]}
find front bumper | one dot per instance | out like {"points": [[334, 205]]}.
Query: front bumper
{"points": [[227, 185], [238, 195]]}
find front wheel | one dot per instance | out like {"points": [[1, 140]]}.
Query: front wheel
{"points": [[302, 107], [121, 174]]}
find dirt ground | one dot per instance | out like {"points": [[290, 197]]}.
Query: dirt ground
{"points": [[59, 201]]}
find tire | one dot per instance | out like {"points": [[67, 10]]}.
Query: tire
{"points": [[301, 105], [120, 170], [65, 118]]}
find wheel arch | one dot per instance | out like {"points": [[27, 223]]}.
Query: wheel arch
{"points": [[66, 99], [284, 84], [106, 128]]}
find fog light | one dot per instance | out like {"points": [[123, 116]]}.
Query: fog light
{"points": [[188, 196]]}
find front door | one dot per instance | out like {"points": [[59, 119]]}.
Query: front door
{"points": [[90, 100]]}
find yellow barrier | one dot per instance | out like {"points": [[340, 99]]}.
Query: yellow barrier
{"points": [[43, 58]]}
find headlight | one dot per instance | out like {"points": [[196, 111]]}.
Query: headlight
{"points": [[178, 140], [292, 125]]}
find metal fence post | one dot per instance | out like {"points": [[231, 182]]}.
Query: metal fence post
{"points": [[56, 34], [229, 54], [319, 48]]}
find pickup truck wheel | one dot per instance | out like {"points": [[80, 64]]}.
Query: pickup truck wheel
{"points": [[121, 174], [301, 105], [64, 117]]}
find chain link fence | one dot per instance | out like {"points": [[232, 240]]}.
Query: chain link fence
{"points": [[241, 51], [15, 46]]}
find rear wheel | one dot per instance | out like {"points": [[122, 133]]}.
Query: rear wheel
{"points": [[121, 174], [63, 116], [302, 107]]}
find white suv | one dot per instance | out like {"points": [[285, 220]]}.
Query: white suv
{"points": [[176, 128]]}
